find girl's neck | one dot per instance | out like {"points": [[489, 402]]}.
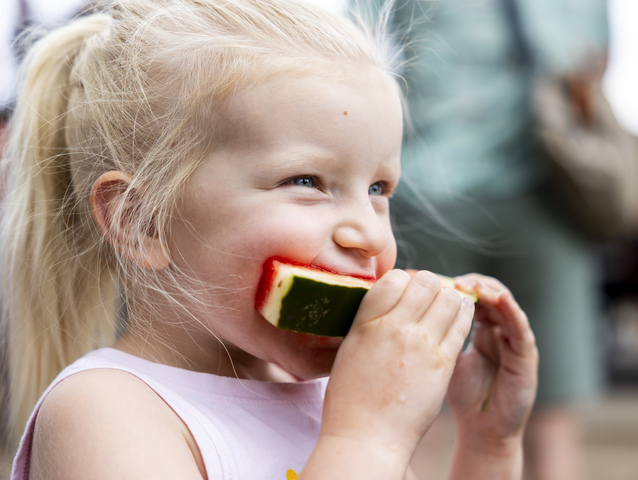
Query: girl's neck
{"points": [[208, 357]]}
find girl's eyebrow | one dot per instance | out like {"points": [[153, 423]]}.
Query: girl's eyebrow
{"points": [[299, 160], [281, 165]]}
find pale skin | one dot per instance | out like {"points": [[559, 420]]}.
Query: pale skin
{"points": [[324, 180]]}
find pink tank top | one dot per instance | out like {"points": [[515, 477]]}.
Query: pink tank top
{"points": [[245, 429]]}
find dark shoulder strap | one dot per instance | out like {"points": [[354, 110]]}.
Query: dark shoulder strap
{"points": [[512, 14]]}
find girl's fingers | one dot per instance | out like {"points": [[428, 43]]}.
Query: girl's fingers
{"points": [[516, 329], [438, 310], [457, 332], [383, 296], [489, 313], [442, 313], [497, 306], [412, 272], [487, 288], [417, 297], [500, 308], [485, 339]]}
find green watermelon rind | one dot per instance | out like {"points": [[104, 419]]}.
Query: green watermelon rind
{"points": [[320, 308], [308, 300]]}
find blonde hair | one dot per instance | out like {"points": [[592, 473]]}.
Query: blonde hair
{"points": [[135, 89]]}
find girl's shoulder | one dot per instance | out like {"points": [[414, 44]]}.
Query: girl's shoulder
{"points": [[106, 423]]}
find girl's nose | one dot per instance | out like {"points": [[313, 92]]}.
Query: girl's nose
{"points": [[364, 230]]}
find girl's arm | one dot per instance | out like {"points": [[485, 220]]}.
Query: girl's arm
{"points": [[493, 387], [389, 378]]}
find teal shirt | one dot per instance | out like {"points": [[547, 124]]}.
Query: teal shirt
{"points": [[468, 89]]}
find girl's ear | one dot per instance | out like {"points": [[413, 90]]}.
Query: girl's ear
{"points": [[115, 206]]}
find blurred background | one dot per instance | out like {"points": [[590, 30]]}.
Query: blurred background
{"points": [[611, 430], [605, 439], [609, 423]]}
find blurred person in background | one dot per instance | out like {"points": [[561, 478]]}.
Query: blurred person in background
{"points": [[16, 17], [468, 90]]}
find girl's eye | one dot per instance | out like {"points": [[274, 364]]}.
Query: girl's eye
{"points": [[376, 189], [304, 181]]}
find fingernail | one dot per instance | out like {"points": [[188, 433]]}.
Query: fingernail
{"points": [[468, 301]]}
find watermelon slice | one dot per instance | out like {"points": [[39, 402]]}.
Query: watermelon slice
{"points": [[309, 299]]}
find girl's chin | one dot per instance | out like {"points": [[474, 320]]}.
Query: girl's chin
{"points": [[310, 356], [319, 341], [305, 340]]}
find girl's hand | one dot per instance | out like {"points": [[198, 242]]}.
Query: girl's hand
{"points": [[494, 383], [390, 375]]}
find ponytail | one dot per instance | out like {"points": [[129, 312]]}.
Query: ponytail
{"points": [[58, 292]]}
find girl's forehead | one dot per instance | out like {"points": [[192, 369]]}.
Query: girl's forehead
{"points": [[305, 119], [308, 91]]}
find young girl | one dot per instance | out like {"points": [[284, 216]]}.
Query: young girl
{"points": [[162, 151]]}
